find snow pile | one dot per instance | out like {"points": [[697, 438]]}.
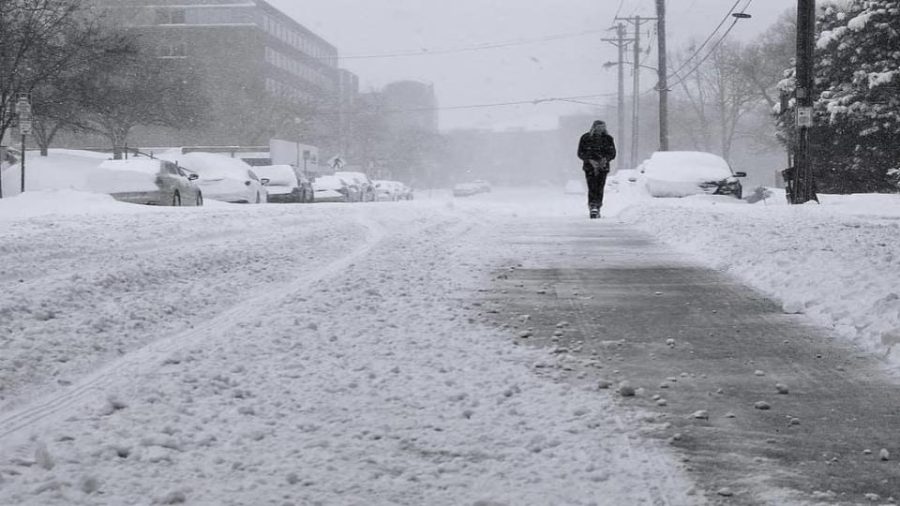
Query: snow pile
{"points": [[63, 202], [60, 170], [135, 175], [838, 263]]}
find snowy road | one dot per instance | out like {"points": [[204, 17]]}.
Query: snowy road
{"points": [[291, 355]]}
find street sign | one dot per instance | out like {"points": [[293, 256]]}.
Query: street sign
{"points": [[26, 127], [23, 111], [804, 117]]}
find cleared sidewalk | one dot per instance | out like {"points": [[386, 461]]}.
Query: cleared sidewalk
{"points": [[764, 407]]}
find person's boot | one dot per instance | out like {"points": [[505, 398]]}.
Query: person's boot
{"points": [[595, 212]]}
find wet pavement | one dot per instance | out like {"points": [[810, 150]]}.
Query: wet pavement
{"points": [[698, 340]]}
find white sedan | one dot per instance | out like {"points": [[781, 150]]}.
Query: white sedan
{"points": [[225, 178]]}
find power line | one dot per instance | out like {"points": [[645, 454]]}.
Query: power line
{"points": [[536, 101], [619, 10], [697, 51], [713, 49], [467, 49]]}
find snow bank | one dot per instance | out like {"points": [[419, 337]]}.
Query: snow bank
{"points": [[62, 202], [838, 263], [61, 169]]}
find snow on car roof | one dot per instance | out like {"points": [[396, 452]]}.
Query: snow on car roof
{"points": [[328, 183], [686, 166], [142, 165], [214, 165], [278, 175]]}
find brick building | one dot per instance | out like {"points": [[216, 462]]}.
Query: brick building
{"points": [[252, 60]]}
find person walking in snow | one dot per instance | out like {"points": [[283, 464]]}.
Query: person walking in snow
{"points": [[596, 149]]}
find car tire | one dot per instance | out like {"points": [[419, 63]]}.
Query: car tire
{"points": [[199, 200], [176, 199]]}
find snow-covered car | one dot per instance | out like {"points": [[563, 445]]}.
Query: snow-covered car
{"points": [[392, 190], [332, 189], [483, 186], [466, 190], [146, 181], [684, 173], [362, 182], [224, 178], [386, 191], [575, 187], [284, 184]]}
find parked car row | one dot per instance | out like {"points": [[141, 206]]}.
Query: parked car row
{"points": [[186, 179], [392, 191], [357, 187]]}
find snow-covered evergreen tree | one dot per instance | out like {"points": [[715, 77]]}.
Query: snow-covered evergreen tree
{"points": [[856, 139]]}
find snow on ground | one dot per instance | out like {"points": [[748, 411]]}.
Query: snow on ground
{"points": [[325, 354], [838, 262], [338, 354]]}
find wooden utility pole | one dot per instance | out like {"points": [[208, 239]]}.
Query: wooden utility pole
{"points": [[636, 21], [804, 188], [622, 44], [663, 78], [636, 94]]}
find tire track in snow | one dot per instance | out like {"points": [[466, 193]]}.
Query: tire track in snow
{"points": [[55, 406]]}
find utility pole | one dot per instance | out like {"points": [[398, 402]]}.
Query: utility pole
{"points": [[636, 21], [622, 44], [803, 186], [663, 78], [636, 94]]}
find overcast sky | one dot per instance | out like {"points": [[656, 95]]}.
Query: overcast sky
{"points": [[560, 67]]}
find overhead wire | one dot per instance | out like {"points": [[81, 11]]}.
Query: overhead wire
{"points": [[473, 48], [698, 50], [536, 101], [619, 10], [712, 50]]}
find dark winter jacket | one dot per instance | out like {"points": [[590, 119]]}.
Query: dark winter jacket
{"points": [[597, 147]]}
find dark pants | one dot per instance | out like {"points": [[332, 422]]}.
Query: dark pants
{"points": [[596, 181]]}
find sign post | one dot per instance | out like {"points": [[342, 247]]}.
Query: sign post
{"points": [[26, 126]]}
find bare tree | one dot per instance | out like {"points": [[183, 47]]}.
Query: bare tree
{"points": [[133, 88], [717, 98], [762, 63], [39, 41]]}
